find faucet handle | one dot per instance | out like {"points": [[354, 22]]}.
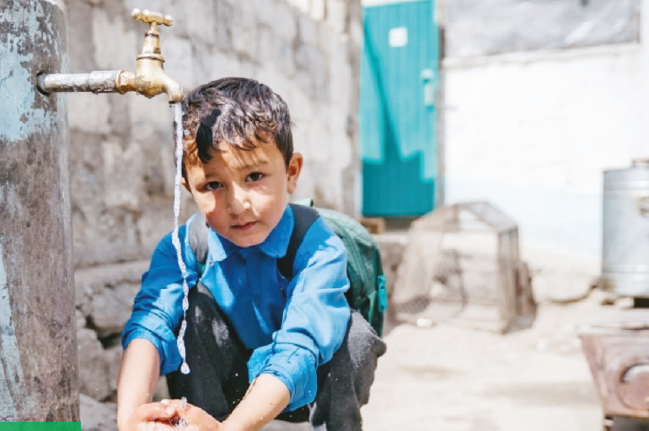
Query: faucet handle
{"points": [[150, 17]]}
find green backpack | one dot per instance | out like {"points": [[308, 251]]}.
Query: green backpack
{"points": [[367, 292]]}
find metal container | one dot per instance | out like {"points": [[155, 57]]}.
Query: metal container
{"points": [[617, 350], [625, 251]]}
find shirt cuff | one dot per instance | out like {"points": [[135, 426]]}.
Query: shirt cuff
{"points": [[169, 356], [293, 366]]}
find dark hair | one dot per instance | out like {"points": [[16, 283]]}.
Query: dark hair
{"points": [[239, 111]]}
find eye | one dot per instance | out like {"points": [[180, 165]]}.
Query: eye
{"points": [[213, 185], [255, 176]]}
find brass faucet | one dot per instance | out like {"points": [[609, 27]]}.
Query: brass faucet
{"points": [[149, 78]]}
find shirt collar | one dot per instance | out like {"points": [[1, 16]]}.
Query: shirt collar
{"points": [[275, 245]]}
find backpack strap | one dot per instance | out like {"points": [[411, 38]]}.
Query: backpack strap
{"points": [[304, 217], [198, 240]]}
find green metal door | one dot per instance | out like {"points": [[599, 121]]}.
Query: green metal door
{"points": [[397, 109]]}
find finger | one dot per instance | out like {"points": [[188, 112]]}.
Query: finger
{"points": [[155, 411], [164, 426]]}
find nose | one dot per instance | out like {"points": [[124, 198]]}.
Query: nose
{"points": [[238, 201]]}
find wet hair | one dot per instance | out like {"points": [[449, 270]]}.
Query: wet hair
{"points": [[239, 111]]}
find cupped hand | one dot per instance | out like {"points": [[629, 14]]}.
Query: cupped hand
{"points": [[193, 418], [150, 417]]}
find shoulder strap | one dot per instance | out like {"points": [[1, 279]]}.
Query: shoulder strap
{"points": [[304, 217], [198, 239]]}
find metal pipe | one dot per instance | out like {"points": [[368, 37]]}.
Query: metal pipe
{"points": [[95, 82]]}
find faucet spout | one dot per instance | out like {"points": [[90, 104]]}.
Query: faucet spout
{"points": [[150, 79], [173, 89]]}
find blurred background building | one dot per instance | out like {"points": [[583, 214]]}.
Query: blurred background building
{"points": [[532, 101]]}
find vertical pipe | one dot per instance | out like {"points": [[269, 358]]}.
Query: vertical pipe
{"points": [[38, 354]]}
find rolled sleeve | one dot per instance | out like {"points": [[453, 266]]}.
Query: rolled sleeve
{"points": [[315, 320], [157, 308]]}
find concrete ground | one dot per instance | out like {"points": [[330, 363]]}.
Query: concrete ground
{"points": [[452, 378]]}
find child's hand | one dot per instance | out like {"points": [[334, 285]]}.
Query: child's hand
{"points": [[149, 417], [193, 418]]}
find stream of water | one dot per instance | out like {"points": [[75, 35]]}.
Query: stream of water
{"points": [[178, 119]]}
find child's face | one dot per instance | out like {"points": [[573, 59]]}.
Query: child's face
{"points": [[243, 194]]}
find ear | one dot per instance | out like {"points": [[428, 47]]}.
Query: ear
{"points": [[293, 171], [183, 181]]}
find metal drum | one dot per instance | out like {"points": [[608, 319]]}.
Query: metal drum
{"points": [[625, 251]]}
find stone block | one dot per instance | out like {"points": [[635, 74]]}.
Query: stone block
{"points": [[302, 6], [312, 73], [337, 15], [94, 371], [96, 416], [223, 20], [123, 187], [178, 60], [267, 45], [111, 308], [157, 220], [89, 113], [244, 33], [284, 20], [223, 65], [114, 359], [308, 30], [143, 111], [102, 236], [119, 118], [318, 10], [104, 294], [161, 389], [81, 55], [115, 46], [200, 24]]}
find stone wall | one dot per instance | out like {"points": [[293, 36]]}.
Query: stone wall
{"points": [[122, 167]]}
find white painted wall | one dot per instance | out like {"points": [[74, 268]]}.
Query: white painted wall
{"points": [[532, 133]]}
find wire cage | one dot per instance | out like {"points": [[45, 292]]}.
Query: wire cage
{"points": [[461, 264]]}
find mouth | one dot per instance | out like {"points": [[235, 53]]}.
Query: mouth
{"points": [[244, 227]]}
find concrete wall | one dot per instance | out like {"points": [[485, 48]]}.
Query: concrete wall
{"points": [[122, 168], [38, 345], [532, 133]]}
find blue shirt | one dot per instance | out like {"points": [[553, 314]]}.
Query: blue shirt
{"points": [[292, 326]]}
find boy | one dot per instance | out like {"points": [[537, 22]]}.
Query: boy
{"points": [[258, 345]]}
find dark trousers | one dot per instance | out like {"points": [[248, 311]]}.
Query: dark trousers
{"points": [[219, 373]]}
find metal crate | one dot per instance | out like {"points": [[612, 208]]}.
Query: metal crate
{"points": [[461, 264]]}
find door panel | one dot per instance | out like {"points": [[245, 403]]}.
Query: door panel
{"points": [[397, 109]]}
